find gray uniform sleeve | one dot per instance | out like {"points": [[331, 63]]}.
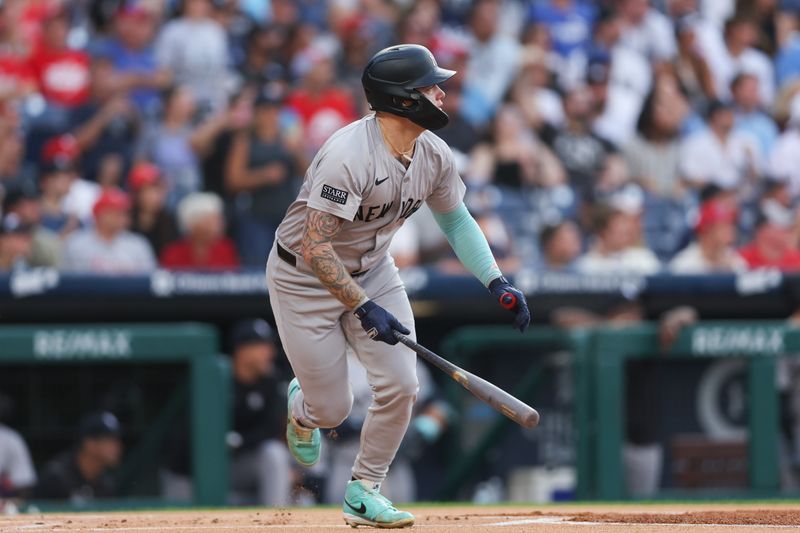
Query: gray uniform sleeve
{"points": [[448, 192], [337, 188]]}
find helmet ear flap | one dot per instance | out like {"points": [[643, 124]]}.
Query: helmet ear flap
{"points": [[368, 95]]}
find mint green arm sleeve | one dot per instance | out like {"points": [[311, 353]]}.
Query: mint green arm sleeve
{"points": [[469, 243]]}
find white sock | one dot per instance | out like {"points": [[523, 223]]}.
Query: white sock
{"points": [[370, 485]]}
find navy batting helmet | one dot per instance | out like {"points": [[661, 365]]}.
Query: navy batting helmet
{"points": [[392, 77]]}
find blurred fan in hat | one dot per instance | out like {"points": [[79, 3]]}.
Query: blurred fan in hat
{"points": [[108, 247], [24, 204], [713, 249], [67, 199], [150, 216], [16, 243]]}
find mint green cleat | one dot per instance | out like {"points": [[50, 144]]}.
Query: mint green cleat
{"points": [[304, 443], [365, 506]]}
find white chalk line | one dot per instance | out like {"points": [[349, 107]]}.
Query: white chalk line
{"points": [[564, 521], [528, 521]]}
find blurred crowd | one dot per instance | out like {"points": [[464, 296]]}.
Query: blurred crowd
{"points": [[624, 136]]}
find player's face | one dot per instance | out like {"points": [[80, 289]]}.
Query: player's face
{"points": [[256, 357], [106, 450], [434, 93]]}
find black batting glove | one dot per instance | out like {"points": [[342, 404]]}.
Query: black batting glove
{"points": [[379, 323], [511, 298]]}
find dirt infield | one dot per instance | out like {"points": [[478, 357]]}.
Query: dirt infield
{"points": [[445, 519]]}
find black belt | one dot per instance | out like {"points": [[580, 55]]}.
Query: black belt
{"points": [[290, 258]]}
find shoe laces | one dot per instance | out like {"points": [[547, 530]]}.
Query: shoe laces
{"points": [[383, 499]]}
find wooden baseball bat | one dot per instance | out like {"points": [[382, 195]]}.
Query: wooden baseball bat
{"points": [[515, 409]]}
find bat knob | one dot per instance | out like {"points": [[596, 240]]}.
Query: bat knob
{"points": [[508, 300]]}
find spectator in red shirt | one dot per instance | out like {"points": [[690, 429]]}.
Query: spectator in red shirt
{"points": [[16, 78], [204, 247], [61, 72], [28, 17], [322, 106], [772, 245], [716, 232]]}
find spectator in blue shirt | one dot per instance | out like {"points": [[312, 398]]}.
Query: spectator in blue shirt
{"points": [[131, 52], [569, 21], [787, 60], [749, 116]]}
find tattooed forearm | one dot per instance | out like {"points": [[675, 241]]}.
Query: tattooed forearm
{"points": [[318, 252]]}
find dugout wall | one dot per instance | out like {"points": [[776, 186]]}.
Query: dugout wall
{"points": [[194, 345], [597, 411], [759, 343]]}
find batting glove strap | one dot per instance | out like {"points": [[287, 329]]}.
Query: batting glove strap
{"points": [[497, 284], [365, 309], [522, 315]]}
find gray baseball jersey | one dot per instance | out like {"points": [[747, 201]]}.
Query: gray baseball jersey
{"points": [[354, 177]]}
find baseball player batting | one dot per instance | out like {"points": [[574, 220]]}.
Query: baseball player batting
{"points": [[332, 282]]}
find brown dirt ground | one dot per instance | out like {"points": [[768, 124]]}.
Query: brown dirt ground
{"points": [[593, 518]]}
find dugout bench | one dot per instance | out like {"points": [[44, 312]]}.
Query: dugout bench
{"points": [[192, 344]]}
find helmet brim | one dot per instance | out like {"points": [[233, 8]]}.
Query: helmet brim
{"points": [[434, 77]]}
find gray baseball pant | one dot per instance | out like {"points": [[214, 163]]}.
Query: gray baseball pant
{"points": [[315, 329]]}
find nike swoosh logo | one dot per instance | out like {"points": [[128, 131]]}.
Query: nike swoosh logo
{"points": [[361, 510], [378, 182]]}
